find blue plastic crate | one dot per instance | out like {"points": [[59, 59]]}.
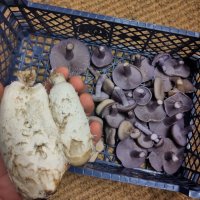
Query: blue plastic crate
{"points": [[29, 30]]}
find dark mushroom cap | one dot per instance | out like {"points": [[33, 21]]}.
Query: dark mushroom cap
{"points": [[172, 67], [169, 154], [179, 134], [102, 56], [172, 163], [169, 121], [101, 97], [110, 135], [114, 118], [142, 95], [126, 104], [183, 85], [178, 103], [150, 112], [99, 94], [159, 128], [125, 129], [101, 106], [127, 76], [160, 59], [145, 141], [144, 66], [130, 154], [108, 86], [167, 85], [155, 162], [70, 53]]}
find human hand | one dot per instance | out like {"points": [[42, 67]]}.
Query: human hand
{"points": [[7, 188]]}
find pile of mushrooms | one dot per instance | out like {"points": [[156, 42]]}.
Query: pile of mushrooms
{"points": [[143, 108]]}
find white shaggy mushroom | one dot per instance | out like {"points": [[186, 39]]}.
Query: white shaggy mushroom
{"points": [[73, 124], [29, 138]]}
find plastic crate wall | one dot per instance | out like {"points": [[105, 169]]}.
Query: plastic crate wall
{"points": [[27, 33]]}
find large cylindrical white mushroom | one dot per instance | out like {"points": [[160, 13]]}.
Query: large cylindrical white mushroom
{"points": [[73, 124], [29, 140]]}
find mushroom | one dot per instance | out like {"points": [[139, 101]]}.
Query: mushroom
{"points": [[159, 128], [183, 85], [130, 154], [153, 136], [102, 56], [99, 94], [114, 118], [70, 53], [142, 95], [145, 141], [172, 92], [144, 66], [167, 85], [172, 67], [110, 134], [125, 106], [179, 134], [167, 157], [108, 85], [126, 129], [178, 103], [160, 59], [159, 90], [169, 121], [128, 93], [150, 112], [105, 103], [127, 76]]}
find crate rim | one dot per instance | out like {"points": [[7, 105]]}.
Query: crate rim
{"points": [[111, 19]]}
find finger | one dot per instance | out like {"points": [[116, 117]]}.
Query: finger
{"points": [[78, 84], [47, 86], [1, 90], [3, 170], [7, 189], [96, 130], [63, 70], [87, 103]]}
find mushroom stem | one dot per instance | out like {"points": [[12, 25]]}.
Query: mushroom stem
{"points": [[154, 137], [101, 52], [114, 110], [99, 84], [135, 134], [181, 62], [168, 121], [177, 105], [128, 94], [143, 128], [131, 114], [122, 96], [137, 60], [140, 92], [127, 69], [95, 73], [138, 154], [69, 51], [174, 158]]}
